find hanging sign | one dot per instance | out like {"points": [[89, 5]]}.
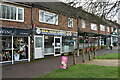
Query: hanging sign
{"points": [[64, 62]]}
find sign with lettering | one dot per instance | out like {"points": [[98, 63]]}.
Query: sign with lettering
{"points": [[54, 32], [22, 32], [6, 31], [64, 62], [14, 31]]}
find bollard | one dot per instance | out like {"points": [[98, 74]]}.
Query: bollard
{"points": [[74, 59], [95, 54], [89, 55], [83, 57]]}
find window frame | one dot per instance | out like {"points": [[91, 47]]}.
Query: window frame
{"points": [[70, 19], [83, 21], [108, 29], [48, 13], [102, 27], [92, 27], [16, 19]]}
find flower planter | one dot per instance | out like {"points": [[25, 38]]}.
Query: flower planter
{"points": [[99, 47], [95, 48], [84, 50], [87, 49], [91, 49]]}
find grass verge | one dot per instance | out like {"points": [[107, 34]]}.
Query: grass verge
{"points": [[83, 71], [108, 56]]}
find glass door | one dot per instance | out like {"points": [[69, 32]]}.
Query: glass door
{"points": [[38, 43], [57, 46]]}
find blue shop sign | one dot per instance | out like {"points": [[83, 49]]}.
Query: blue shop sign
{"points": [[54, 32]]}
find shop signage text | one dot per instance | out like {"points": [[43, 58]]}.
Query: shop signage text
{"points": [[13, 31], [54, 32]]}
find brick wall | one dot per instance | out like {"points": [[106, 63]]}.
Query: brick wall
{"points": [[62, 22], [15, 24]]}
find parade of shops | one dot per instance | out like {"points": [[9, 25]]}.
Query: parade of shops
{"points": [[31, 30]]}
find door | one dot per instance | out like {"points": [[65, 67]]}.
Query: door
{"points": [[38, 43], [57, 46]]}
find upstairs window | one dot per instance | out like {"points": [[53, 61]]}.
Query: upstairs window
{"points": [[111, 29], [48, 17], [70, 22], [11, 13], [108, 29], [93, 26], [102, 27], [83, 24]]}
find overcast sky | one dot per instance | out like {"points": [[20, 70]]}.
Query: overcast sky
{"points": [[83, 1]]}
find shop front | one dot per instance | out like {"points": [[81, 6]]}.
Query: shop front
{"points": [[114, 38], [53, 42], [15, 45]]}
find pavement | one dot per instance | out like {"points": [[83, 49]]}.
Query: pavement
{"points": [[43, 66], [104, 62]]}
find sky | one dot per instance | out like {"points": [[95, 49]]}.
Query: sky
{"points": [[83, 1]]}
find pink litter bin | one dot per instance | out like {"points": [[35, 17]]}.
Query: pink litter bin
{"points": [[64, 62]]}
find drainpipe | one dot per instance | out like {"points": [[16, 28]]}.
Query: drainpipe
{"points": [[32, 34]]}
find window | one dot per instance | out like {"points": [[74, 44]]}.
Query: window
{"points": [[68, 44], [111, 29], [108, 29], [83, 24], [48, 17], [102, 27], [11, 13], [49, 44], [70, 22], [93, 26]]}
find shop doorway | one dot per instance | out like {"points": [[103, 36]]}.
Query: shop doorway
{"points": [[38, 43], [57, 46]]}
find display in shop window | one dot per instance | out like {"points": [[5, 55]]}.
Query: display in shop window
{"points": [[6, 56], [16, 55], [21, 48]]}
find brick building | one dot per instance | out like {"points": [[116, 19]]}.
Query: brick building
{"points": [[41, 29]]}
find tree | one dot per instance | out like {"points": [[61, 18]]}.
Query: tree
{"points": [[106, 9]]}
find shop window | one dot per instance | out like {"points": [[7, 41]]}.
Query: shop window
{"points": [[49, 44], [48, 17], [12, 13], [20, 48], [6, 52], [70, 22], [68, 44]]}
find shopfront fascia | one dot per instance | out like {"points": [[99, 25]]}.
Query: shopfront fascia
{"points": [[15, 45], [53, 42]]}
